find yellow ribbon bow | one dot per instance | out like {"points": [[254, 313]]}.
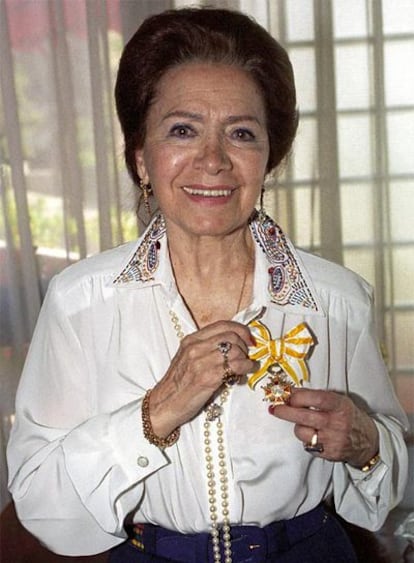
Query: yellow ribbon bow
{"points": [[288, 352]]}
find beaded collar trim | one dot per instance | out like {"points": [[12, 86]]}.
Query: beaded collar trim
{"points": [[287, 283], [144, 263]]}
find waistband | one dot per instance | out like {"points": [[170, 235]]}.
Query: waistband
{"points": [[247, 542]]}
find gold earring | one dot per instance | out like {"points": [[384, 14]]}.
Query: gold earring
{"points": [[146, 192], [262, 211]]}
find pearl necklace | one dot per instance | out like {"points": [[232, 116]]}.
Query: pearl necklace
{"points": [[213, 411]]}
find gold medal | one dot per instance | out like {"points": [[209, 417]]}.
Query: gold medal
{"points": [[282, 360]]}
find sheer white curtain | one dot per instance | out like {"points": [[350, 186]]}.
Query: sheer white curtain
{"points": [[347, 192]]}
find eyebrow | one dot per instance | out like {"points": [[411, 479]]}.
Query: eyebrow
{"points": [[198, 117]]}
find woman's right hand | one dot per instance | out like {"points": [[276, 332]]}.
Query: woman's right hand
{"points": [[196, 373]]}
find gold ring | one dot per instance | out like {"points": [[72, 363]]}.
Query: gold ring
{"points": [[314, 446], [229, 377]]}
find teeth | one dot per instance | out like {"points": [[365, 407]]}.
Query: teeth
{"points": [[207, 193]]}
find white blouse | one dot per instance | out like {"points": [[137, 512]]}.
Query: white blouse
{"points": [[78, 460]]}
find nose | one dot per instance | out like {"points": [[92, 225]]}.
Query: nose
{"points": [[212, 156]]}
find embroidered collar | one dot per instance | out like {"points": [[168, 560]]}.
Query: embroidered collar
{"points": [[144, 263], [287, 281], [288, 284]]}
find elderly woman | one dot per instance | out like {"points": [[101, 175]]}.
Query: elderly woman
{"points": [[209, 384]]}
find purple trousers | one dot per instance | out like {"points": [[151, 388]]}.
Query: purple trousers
{"points": [[314, 537]]}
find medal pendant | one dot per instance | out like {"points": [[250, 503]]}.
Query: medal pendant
{"points": [[277, 389]]}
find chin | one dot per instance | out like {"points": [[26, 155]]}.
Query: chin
{"points": [[214, 228]]}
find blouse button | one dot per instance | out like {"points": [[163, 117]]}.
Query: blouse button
{"points": [[142, 461]]}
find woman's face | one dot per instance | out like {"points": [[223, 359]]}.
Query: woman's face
{"points": [[206, 148]]}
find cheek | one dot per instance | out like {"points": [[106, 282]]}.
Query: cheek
{"points": [[164, 163], [255, 167]]}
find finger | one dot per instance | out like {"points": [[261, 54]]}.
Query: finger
{"points": [[309, 435], [313, 445], [219, 329], [305, 433], [236, 360], [203, 357], [316, 399], [213, 345], [310, 418]]}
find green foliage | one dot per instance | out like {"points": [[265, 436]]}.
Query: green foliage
{"points": [[48, 226], [8, 210]]}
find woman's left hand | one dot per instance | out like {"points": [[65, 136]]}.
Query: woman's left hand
{"points": [[346, 432]]}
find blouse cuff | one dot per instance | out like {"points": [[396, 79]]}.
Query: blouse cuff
{"points": [[136, 456], [370, 481], [117, 455]]}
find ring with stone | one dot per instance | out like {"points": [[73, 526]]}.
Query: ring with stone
{"points": [[314, 446], [229, 376], [224, 348]]}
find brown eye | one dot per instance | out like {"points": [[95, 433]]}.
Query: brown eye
{"points": [[243, 134], [182, 131]]}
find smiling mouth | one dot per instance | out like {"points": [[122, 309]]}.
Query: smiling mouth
{"points": [[207, 193]]}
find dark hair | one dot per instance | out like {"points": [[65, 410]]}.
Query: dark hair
{"points": [[185, 35]]}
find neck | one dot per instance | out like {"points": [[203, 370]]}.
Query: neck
{"points": [[205, 256], [214, 274]]}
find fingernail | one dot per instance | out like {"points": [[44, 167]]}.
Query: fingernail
{"points": [[271, 409], [253, 340]]}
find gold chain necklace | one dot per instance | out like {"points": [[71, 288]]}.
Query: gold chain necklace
{"points": [[246, 271], [213, 411]]}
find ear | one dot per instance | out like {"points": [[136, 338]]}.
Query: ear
{"points": [[142, 169]]}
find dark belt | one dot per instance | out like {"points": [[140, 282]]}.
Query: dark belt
{"points": [[247, 542]]}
